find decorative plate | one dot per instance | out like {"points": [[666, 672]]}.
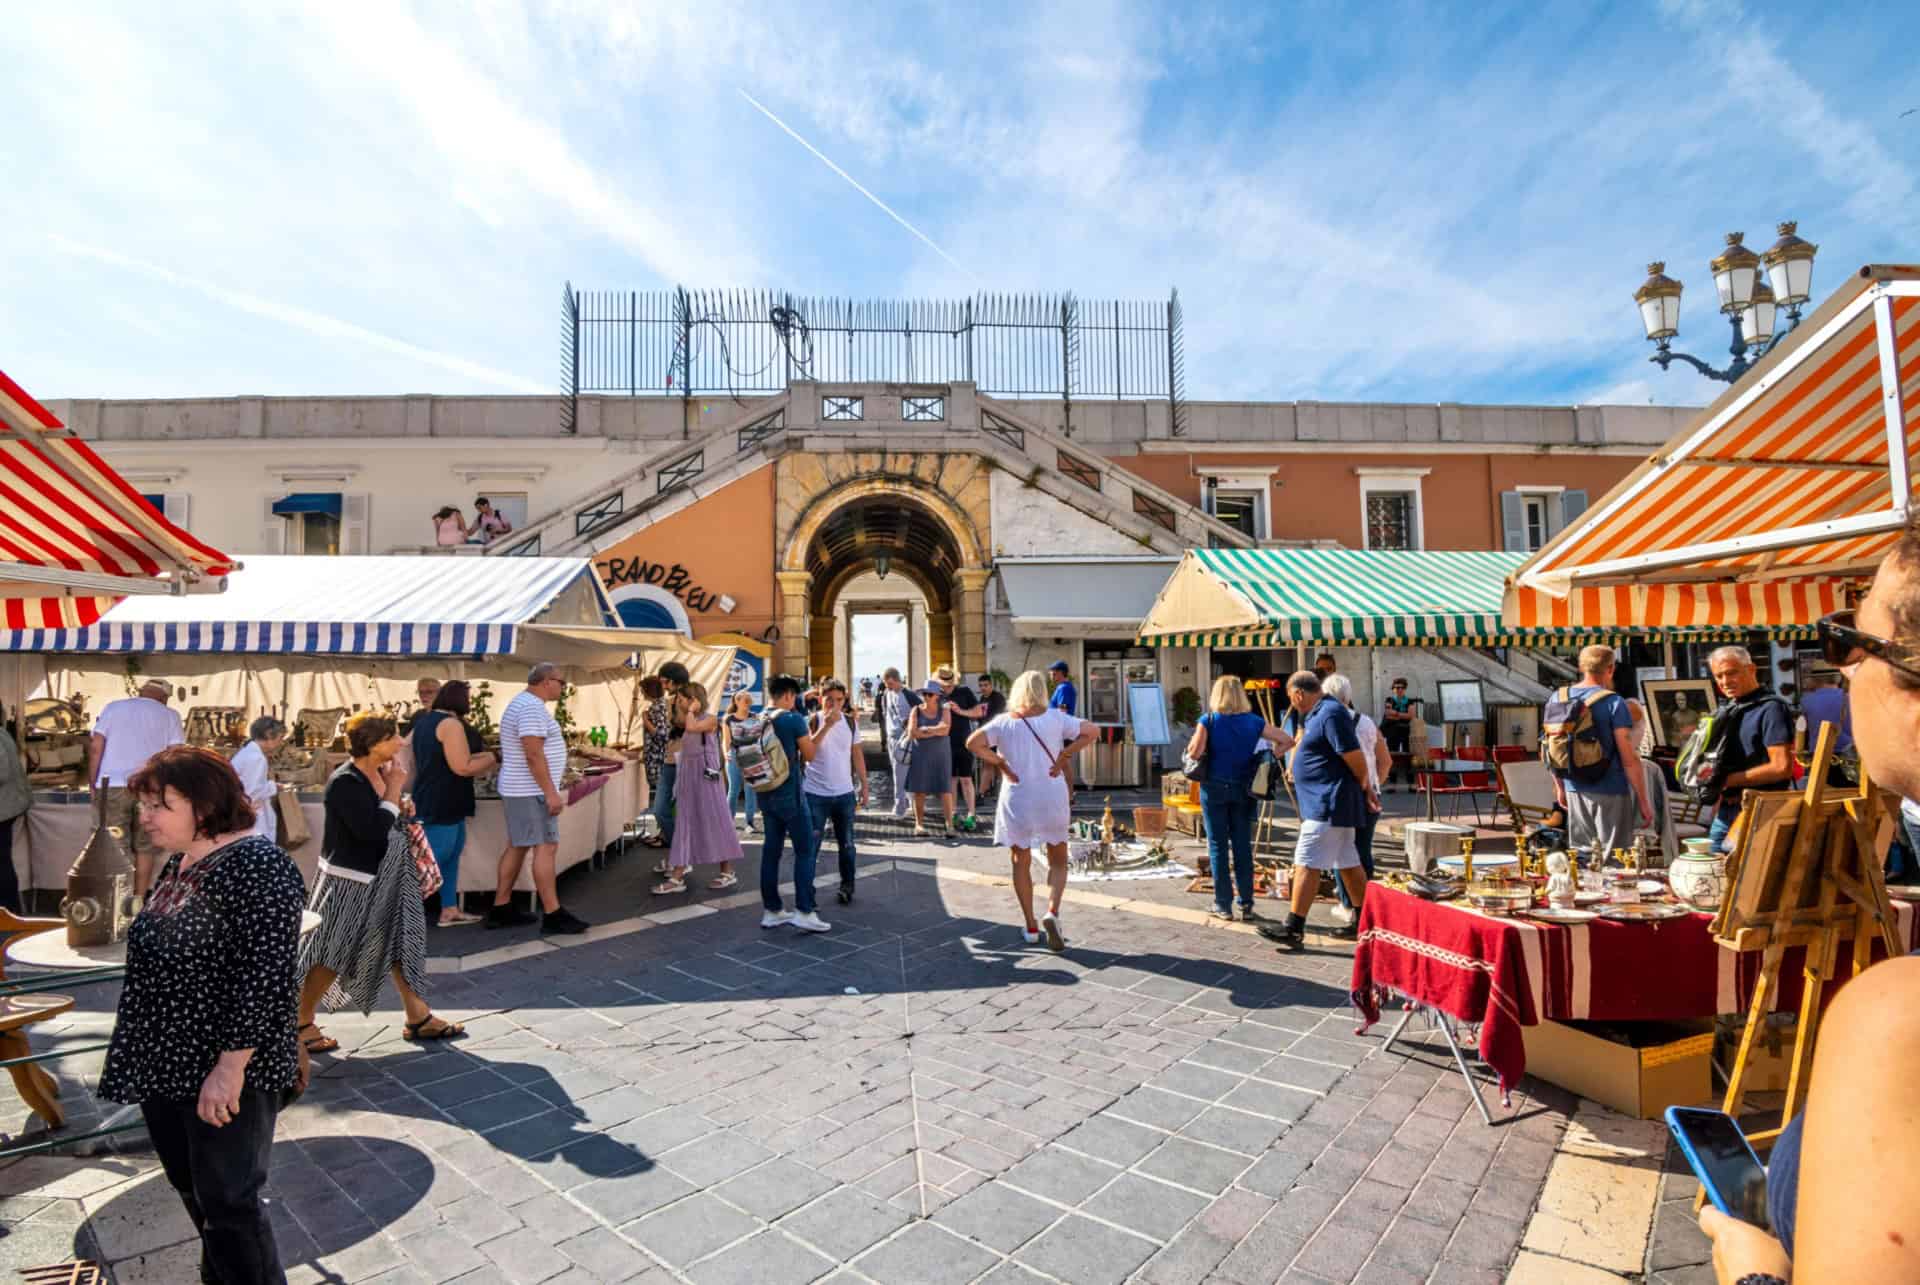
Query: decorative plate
{"points": [[1651, 887], [1559, 915], [1480, 862], [1645, 912]]}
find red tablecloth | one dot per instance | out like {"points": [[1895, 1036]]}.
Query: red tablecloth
{"points": [[1509, 973]]}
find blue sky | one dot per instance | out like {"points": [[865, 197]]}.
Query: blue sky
{"points": [[1420, 203]]}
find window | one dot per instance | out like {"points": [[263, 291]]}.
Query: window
{"points": [[511, 505], [1392, 514], [316, 524], [1532, 516], [171, 505], [1238, 498]]}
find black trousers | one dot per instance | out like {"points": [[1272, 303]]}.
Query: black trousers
{"points": [[1399, 737], [9, 882], [219, 1174]]}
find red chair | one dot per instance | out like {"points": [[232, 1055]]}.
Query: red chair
{"points": [[1455, 784]]}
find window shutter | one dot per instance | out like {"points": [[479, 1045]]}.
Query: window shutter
{"points": [[1513, 522], [177, 507], [1572, 505], [353, 523], [273, 528]]}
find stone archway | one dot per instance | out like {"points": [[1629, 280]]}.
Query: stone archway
{"points": [[927, 512]]}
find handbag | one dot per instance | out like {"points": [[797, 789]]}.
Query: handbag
{"points": [[424, 864], [1193, 767], [1266, 776]]}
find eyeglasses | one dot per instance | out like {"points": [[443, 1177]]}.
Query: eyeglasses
{"points": [[1845, 647]]}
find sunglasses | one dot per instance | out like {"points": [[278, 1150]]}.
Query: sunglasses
{"points": [[1843, 646]]}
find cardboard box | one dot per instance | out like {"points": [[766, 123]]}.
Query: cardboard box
{"points": [[1637, 1068], [1771, 1059]]}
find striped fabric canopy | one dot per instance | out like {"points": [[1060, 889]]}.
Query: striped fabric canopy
{"points": [[64, 511], [1324, 597], [1778, 499], [421, 606]]}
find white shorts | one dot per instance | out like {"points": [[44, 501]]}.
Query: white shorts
{"points": [[1325, 847]]}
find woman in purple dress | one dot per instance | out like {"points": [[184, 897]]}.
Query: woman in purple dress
{"points": [[703, 820]]}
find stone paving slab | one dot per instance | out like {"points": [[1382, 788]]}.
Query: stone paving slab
{"points": [[915, 1096]]}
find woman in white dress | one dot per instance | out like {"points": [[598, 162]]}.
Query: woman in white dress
{"points": [[1031, 747]]}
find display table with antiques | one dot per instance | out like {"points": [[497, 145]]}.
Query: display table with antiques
{"points": [[1651, 959]]}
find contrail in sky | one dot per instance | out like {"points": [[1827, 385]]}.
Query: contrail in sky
{"points": [[822, 158], [316, 323]]}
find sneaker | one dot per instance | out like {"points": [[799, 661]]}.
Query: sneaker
{"points": [[1217, 912], [1347, 931], [1050, 925], [1289, 935], [846, 894], [776, 918], [563, 921], [811, 922], [508, 917], [1031, 938], [1248, 914], [1341, 915]]}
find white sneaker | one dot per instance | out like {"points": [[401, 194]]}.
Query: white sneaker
{"points": [[776, 918], [1341, 915], [1032, 939], [811, 922]]}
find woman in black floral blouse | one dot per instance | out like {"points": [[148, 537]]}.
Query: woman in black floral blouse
{"points": [[204, 1041]]}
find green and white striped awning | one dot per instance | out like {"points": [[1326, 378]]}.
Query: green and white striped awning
{"points": [[1329, 597]]}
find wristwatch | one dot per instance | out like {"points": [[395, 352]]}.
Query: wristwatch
{"points": [[1760, 1278]]}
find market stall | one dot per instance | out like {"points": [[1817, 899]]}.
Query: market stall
{"points": [[313, 639]]}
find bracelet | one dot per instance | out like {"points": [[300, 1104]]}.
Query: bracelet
{"points": [[1760, 1278]]}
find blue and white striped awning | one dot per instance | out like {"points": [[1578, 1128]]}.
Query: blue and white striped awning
{"points": [[349, 606]]}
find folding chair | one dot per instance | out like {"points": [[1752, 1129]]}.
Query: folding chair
{"points": [[1472, 784], [1526, 788]]}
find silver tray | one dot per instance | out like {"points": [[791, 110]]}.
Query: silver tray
{"points": [[1645, 912], [1557, 915]]}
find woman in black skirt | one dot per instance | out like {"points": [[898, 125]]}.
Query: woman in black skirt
{"points": [[368, 894], [204, 1037]]}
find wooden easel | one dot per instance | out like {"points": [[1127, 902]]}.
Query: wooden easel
{"points": [[1816, 890]]}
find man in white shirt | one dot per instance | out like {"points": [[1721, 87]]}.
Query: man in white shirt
{"points": [[838, 758], [127, 734], [253, 766], [533, 757]]}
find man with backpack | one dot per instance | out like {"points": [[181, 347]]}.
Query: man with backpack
{"points": [[774, 766], [1587, 743], [1759, 729]]}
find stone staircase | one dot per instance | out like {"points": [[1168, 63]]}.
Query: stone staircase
{"points": [[851, 417]]}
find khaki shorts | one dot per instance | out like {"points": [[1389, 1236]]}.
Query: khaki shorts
{"points": [[123, 813], [529, 824]]}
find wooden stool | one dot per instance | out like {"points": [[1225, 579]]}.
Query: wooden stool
{"points": [[17, 1012]]}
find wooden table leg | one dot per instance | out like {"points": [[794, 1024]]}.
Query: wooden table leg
{"points": [[36, 1088]]}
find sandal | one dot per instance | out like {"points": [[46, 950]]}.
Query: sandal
{"points": [[721, 883], [668, 887], [458, 918], [433, 1027], [321, 1041], [662, 867]]}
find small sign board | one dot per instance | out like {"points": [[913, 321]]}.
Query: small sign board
{"points": [[1463, 702], [1147, 710]]}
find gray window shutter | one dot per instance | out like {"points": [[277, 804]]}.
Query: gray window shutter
{"points": [[1513, 522], [1572, 505]]}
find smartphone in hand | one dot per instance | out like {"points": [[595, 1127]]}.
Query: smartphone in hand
{"points": [[1721, 1156]]}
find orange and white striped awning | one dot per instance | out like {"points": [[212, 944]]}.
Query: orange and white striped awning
{"points": [[74, 536], [1773, 505]]}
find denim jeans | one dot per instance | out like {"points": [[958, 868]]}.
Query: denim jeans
{"points": [[785, 816], [1228, 810], [1903, 861], [839, 809], [663, 800], [448, 842], [1717, 832], [737, 786], [219, 1173], [1363, 840]]}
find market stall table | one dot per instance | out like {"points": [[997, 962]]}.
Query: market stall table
{"points": [[1507, 973], [49, 951]]}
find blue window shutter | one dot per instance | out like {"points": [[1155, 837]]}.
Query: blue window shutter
{"points": [[1513, 522]]}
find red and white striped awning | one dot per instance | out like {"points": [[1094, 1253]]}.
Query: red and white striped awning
{"points": [[74, 536], [1780, 497]]}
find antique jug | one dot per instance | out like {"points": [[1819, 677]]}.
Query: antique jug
{"points": [[1699, 879]]}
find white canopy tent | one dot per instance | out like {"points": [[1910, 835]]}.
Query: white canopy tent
{"points": [[292, 633]]}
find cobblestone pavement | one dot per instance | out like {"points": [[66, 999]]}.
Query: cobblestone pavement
{"points": [[917, 1096]]}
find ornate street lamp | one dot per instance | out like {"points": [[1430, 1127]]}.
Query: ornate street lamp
{"points": [[1750, 304]]}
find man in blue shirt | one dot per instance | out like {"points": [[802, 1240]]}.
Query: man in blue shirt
{"points": [[1825, 702], [785, 813], [1603, 814], [1760, 755], [1064, 696], [1330, 784]]}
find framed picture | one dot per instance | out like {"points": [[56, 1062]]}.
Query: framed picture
{"points": [[1675, 706]]}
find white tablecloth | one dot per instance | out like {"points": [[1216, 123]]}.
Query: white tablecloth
{"points": [[55, 832]]}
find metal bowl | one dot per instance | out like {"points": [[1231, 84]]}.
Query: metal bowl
{"points": [[1500, 896]]}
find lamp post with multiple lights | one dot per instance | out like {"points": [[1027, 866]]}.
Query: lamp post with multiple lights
{"points": [[1750, 304]]}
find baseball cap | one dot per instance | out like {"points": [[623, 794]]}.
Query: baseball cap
{"points": [[1058, 666]]}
